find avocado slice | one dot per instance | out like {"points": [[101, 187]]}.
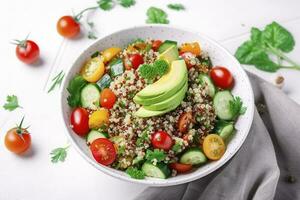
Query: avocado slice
{"points": [[168, 102], [174, 78], [170, 54]]}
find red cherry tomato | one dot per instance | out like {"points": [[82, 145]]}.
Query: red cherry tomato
{"points": [[184, 121], [156, 44], [161, 140], [222, 77], [107, 98], [68, 27], [181, 168], [103, 151], [136, 60], [27, 51], [187, 57], [80, 121]]}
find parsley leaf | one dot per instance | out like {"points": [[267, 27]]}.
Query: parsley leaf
{"points": [[176, 6], [126, 3], [74, 89], [147, 71], [236, 107], [133, 172], [157, 154], [106, 4], [161, 67], [156, 16], [59, 154], [57, 80], [265, 44], [12, 103]]}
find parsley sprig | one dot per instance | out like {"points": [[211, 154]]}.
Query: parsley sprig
{"points": [[236, 107], [156, 16], [274, 40], [156, 154], [151, 71], [12, 103], [176, 6], [135, 173], [57, 80], [109, 4], [59, 154]]}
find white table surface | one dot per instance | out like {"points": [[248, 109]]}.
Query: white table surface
{"points": [[33, 176]]}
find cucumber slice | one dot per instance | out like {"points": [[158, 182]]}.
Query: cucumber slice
{"points": [[205, 79], [193, 156], [90, 96], [166, 44], [117, 68], [160, 170], [221, 104], [224, 129], [93, 135], [104, 82]]}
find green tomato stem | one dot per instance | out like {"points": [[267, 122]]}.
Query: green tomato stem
{"points": [[291, 67], [79, 15]]}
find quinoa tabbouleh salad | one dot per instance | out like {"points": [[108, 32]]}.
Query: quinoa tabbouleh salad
{"points": [[155, 108]]}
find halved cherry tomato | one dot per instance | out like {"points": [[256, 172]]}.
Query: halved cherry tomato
{"points": [[110, 53], [68, 27], [181, 168], [213, 146], [135, 60], [161, 140], [184, 121], [99, 118], [193, 47], [80, 121], [222, 77], [107, 98], [103, 151], [93, 70], [156, 44]]}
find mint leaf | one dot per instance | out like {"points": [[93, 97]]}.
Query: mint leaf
{"points": [[74, 89], [135, 173], [157, 155], [156, 16], [12, 103], [106, 4], [176, 6], [59, 154], [126, 3]]}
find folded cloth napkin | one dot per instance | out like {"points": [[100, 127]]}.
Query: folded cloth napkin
{"points": [[267, 166]]}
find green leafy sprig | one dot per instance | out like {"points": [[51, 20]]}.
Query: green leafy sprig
{"points": [[176, 6], [109, 4], [135, 173], [236, 107], [274, 40], [12, 103], [57, 80], [156, 154], [59, 154], [156, 16]]}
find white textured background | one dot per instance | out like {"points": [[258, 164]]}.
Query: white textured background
{"points": [[33, 176]]}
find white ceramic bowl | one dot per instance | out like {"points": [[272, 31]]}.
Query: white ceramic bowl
{"points": [[218, 55]]}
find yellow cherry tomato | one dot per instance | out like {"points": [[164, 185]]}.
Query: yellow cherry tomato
{"points": [[99, 118], [213, 146], [110, 53], [93, 70], [193, 47]]}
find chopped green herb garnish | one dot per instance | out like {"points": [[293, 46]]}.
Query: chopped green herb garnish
{"points": [[143, 138], [133, 172], [126, 3], [12, 103], [57, 80], [106, 4], [176, 6], [149, 72], [161, 67], [156, 16], [59, 154], [156, 154]]}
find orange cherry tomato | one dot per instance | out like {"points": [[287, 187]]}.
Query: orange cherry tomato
{"points": [[194, 48], [107, 98], [68, 27], [156, 44]]}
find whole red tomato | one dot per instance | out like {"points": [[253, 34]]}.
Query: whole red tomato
{"points": [[161, 140], [68, 27], [27, 51], [222, 77], [80, 121]]}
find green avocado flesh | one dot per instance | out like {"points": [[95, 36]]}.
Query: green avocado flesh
{"points": [[170, 54]]}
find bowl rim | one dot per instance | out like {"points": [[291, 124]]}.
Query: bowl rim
{"points": [[159, 182]]}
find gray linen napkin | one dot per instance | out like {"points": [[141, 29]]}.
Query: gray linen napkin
{"points": [[266, 167]]}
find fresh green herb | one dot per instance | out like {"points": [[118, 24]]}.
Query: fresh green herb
{"points": [[74, 88], [156, 16], [161, 67], [96, 54], [106, 4], [156, 154], [236, 107], [143, 138], [133, 172], [272, 41], [12, 103], [91, 32], [176, 147], [59, 154], [126, 3], [57, 80], [176, 6]]}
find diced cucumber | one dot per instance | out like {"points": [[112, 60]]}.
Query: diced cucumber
{"points": [[165, 45], [224, 129], [93, 135], [104, 82], [193, 156], [221, 104], [90, 96], [117, 68], [205, 79], [160, 170]]}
